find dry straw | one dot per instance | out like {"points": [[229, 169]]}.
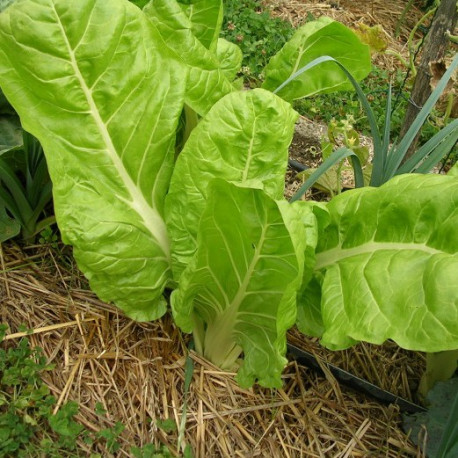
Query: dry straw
{"points": [[136, 371], [386, 13]]}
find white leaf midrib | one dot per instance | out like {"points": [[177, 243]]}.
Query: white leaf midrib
{"points": [[240, 295], [150, 216], [334, 255]]}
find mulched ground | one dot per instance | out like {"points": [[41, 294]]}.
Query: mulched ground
{"points": [[136, 370], [386, 13]]}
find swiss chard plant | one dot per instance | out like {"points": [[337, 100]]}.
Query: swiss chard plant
{"points": [[150, 205], [385, 267], [213, 63]]}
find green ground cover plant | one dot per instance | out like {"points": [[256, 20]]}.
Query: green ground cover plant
{"points": [[24, 399], [209, 221], [259, 35], [28, 426]]}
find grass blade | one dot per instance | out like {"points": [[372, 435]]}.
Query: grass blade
{"points": [[45, 197], [333, 159], [380, 156], [8, 202], [432, 151], [367, 108], [358, 171], [44, 223], [440, 151], [38, 183]]}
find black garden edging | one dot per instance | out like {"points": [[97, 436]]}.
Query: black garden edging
{"points": [[352, 381], [297, 165]]}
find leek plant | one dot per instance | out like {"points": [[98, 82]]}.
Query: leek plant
{"points": [[388, 156]]}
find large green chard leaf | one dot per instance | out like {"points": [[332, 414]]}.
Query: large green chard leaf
{"points": [[243, 139], [206, 17], [239, 292], [323, 37], [309, 314], [206, 82], [90, 80], [387, 264], [230, 57]]}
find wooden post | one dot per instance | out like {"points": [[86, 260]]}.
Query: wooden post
{"points": [[434, 48]]}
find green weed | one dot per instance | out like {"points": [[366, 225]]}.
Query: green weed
{"points": [[25, 402], [49, 237], [256, 32], [28, 426], [151, 451]]}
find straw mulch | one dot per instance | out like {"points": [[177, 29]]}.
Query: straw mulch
{"points": [[385, 13], [136, 370]]}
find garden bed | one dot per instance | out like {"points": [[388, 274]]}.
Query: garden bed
{"points": [[136, 371], [121, 372], [371, 13]]}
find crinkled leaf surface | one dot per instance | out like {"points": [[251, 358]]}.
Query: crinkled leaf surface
{"points": [[239, 291], [206, 82], [206, 17], [315, 217], [5, 3], [243, 139], [387, 264], [230, 58], [323, 37], [90, 79]]}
